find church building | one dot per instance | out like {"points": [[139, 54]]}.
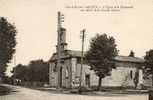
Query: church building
{"points": [[65, 66]]}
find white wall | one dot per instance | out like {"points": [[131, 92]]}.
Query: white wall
{"points": [[119, 77]]}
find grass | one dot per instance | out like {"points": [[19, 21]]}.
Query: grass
{"points": [[4, 90]]}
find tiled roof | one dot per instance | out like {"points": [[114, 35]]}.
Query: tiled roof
{"points": [[66, 54], [129, 59], [73, 53]]}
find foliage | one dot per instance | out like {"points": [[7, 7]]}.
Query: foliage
{"points": [[101, 54], [35, 71], [8, 80], [149, 63], [39, 71], [7, 43], [19, 72]]}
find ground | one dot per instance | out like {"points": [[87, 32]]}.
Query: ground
{"points": [[4, 90], [21, 93]]}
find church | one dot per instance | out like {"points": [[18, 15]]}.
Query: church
{"points": [[65, 66]]}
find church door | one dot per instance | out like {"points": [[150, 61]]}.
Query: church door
{"points": [[60, 77], [87, 80]]}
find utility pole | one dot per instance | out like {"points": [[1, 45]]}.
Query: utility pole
{"points": [[59, 26], [82, 55]]}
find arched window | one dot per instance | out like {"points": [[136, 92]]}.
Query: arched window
{"points": [[131, 74]]}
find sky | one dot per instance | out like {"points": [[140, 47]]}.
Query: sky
{"points": [[36, 23]]}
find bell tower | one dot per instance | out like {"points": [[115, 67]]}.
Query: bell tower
{"points": [[61, 46], [61, 37]]}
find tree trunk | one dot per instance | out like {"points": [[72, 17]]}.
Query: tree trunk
{"points": [[99, 83]]}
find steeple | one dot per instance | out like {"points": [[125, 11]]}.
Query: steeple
{"points": [[61, 37]]}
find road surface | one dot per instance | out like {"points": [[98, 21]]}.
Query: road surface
{"points": [[30, 94]]}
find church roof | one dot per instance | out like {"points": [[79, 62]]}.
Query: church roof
{"points": [[73, 53], [67, 54], [129, 59]]}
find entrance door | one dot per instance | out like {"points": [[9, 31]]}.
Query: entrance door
{"points": [[87, 79], [60, 82]]}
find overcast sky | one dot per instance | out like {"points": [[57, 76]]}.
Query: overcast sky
{"points": [[36, 22]]}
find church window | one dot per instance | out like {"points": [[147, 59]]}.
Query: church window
{"points": [[55, 67], [131, 74]]}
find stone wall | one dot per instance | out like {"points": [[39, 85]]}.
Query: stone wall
{"points": [[52, 75], [148, 81], [123, 75], [66, 74]]}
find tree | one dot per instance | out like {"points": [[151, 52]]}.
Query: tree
{"points": [[101, 54], [19, 72], [35, 71], [39, 71], [7, 44], [149, 63]]}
